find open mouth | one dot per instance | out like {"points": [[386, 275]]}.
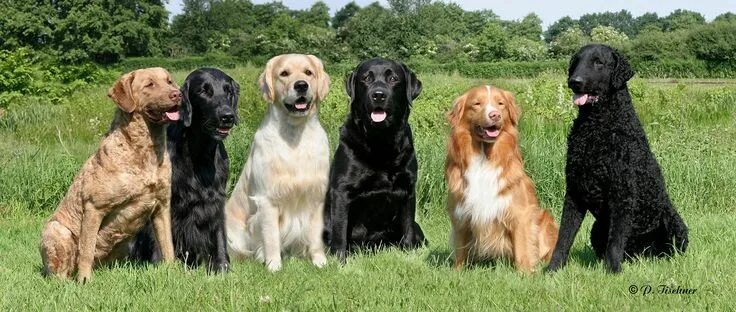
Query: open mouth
{"points": [[224, 131], [300, 105], [167, 116], [581, 99], [488, 133], [378, 115]]}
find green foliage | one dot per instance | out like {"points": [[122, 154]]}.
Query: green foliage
{"points": [[491, 43], [656, 46], [622, 21], [558, 27], [567, 43], [683, 20], [715, 42], [608, 35], [344, 14], [524, 49], [530, 27]]}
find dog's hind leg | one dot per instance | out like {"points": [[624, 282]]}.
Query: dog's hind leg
{"points": [[599, 237], [58, 250]]}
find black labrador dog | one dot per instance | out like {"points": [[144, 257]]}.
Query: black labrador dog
{"points": [[611, 171], [371, 197], [200, 172]]}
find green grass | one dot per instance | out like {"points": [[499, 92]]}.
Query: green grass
{"points": [[691, 129]]}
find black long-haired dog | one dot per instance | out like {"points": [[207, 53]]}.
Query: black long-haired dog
{"points": [[371, 197], [611, 171], [199, 172]]}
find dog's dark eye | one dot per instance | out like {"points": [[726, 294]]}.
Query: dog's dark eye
{"points": [[284, 74], [367, 78], [500, 103], [393, 79], [170, 82], [308, 72], [476, 103], [150, 84], [598, 63]]}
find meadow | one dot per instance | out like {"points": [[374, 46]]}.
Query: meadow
{"points": [[691, 127]]}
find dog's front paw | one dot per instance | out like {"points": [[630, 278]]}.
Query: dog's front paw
{"points": [[613, 267], [274, 265], [84, 277], [219, 268], [319, 260]]}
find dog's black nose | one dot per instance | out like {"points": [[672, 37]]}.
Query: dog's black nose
{"points": [[575, 82], [227, 119], [301, 86], [378, 96]]}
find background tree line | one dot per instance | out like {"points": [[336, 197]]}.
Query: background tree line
{"points": [[106, 31]]}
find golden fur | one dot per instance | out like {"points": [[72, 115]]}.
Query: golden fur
{"points": [[277, 203], [123, 184], [492, 203]]}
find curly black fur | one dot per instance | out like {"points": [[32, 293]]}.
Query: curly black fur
{"points": [[371, 198], [200, 172], [611, 171]]}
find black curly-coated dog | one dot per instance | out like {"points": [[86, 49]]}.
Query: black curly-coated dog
{"points": [[371, 198], [611, 171], [200, 172]]}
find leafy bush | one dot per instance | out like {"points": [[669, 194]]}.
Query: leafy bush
{"points": [[190, 63]]}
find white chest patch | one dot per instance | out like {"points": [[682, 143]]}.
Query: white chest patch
{"points": [[482, 202]]}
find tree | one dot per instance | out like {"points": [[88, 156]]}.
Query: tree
{"points": [[344, 14], [492, 43], [476, 21], [683, 19], [525, 49], [568, 42], [648, 22], [529, 27], [621, 21], [715, 42], [727, 17], [367, 32], [559, 27], [317, 15], [656, 46], [608, 35]]}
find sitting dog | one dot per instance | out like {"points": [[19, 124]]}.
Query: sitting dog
{"points": [[200, 172], [371, 199], [276, 205], [126, 183], [611, 171], [492, 203]]}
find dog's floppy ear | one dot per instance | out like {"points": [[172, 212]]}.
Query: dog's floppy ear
{"points": [[186, 105], [235, 97], [514, 111], [350, 85], [622, 72], [413, 85], [122, 92], [323, 79], [265, 81], [456, 114]]}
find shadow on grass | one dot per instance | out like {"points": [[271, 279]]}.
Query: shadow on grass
{"points": [[440, 258]]}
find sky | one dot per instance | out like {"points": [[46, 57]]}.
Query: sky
{"points": [[550, 10]]}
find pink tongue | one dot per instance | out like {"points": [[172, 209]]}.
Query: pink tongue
{"points": [[492, 133], [173, 116], [580, 99], [300, 105], [223, 130], [378, 116]]}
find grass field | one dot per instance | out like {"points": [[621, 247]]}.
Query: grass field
{"points": [[691, 128]]}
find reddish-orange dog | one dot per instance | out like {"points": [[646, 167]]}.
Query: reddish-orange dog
{"points": [[492, 203]]}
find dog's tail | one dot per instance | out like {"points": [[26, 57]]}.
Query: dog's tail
{"points": [[548, 231]]}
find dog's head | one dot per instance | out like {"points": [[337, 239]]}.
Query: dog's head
{"points": [[381, 92], [149, 91], [295, 83], [597, 70], [485, 112], [210, 102]]}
